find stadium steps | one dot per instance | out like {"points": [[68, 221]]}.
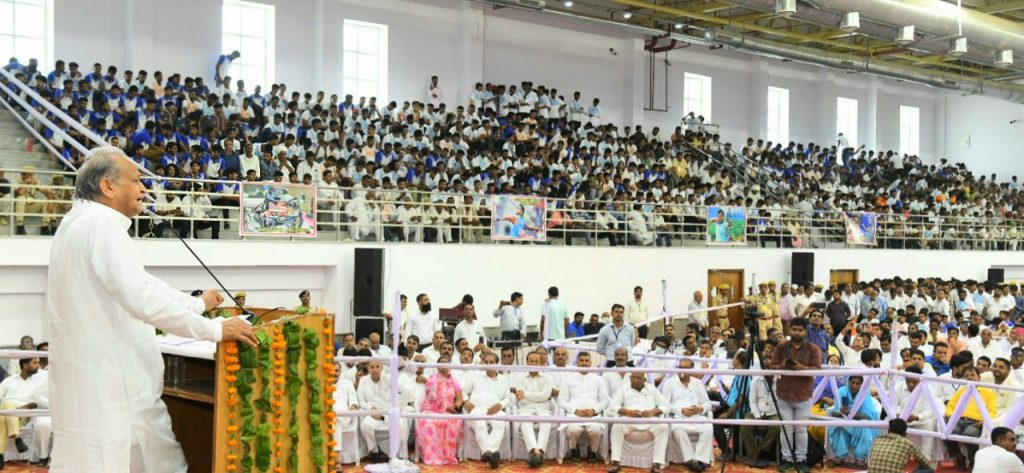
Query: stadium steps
{"points": [[13, 147]]}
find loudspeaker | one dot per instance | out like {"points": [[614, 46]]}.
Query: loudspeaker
{"points": [[996, 275], [364, 326], [802, 268], [368, 282]]}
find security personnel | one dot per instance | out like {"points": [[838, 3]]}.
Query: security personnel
{"points": [[719, 299], [768, 308]]}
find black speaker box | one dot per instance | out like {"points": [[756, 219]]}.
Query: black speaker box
{"points": [[368, 282], [996, 275], [802, 269]]}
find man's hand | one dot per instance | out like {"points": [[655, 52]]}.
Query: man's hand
{"points": [[554, 392], [913, 418], [237, 329], [212, 299], [494, 409], [468, 406], [520, 394]]}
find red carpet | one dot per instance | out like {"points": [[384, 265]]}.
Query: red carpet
{"points": [[520, 467]]}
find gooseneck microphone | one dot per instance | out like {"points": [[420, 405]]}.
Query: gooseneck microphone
{"points": [[157, 219]]}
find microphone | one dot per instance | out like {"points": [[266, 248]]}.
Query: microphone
{"points": [[249, 316]]}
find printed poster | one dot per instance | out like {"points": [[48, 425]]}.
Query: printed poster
{"points": [[277, 209], [518, 218], [726, 225]]}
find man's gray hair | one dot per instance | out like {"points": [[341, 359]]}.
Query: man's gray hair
{"points": [[100, 163]]}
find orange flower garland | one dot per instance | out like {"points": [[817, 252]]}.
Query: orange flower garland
{"points": [[277, 347], [232, 366], [330, 378]]}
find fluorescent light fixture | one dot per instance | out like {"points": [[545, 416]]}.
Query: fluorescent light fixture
{"points": [[627, 15], [567, 3], [785, 8], [677, 25]]}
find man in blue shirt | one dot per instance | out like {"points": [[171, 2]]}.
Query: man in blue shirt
{"points": [[939, 359], [816, 334], [576, 328], [615, 335]]}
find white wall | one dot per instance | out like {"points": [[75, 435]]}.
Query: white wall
{"points": [[590, 279], [980, 135]]}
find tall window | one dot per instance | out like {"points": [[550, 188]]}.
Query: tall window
{"points": [[778, 115], [26, 31], [697, 95], [846, 119], [910, 130], [364, 62], [248, 28]]}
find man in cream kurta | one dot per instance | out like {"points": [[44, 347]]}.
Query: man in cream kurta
{"points": [[639, 399], [688, 399], [585, 395], [106, 371], [534, 393]]}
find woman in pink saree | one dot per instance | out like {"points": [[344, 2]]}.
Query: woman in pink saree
{"points": [[438, 439]]}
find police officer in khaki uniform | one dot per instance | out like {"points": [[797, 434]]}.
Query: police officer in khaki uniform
{"points": [[722, 298], [768, 309]]}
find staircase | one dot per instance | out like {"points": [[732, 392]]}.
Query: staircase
{"points": [[13, 148]]}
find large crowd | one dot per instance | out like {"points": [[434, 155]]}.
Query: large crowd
{"points": [[958, 331], [626, 184], [961, 331]]}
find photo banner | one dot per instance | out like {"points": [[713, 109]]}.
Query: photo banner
{"points": [[861, 228], [518, 218], [277, 209], [726, 225]]}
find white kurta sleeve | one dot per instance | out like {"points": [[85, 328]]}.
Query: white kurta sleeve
{"points": [[144, 296]]}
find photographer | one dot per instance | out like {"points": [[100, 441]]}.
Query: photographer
{"points": [[794, 392]]}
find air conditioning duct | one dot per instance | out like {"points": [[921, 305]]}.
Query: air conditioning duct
{"points": [[851, 22], [785, 8], [528, 4], [958, 46], [905, 35], [1004, 58]]}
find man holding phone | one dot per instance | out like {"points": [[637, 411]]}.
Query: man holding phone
{"points": [[469, 329], [794, 392]]}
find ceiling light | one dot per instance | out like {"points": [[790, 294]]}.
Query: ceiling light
{"points": [[851, 22], [958, 46], [1004, 58], [905, 35], [567, 3], [785, 8], [627, 15], [677, 25]]}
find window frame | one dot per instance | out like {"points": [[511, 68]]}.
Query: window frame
{"points": [[704, 98], [47, 60], [351, 76], [268, 38], [910, 130], [780, 133]]}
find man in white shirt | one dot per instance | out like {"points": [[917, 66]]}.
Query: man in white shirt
{"points": [[687, 399], [470, 330], [1001, 456], [698, 310], [17, 392], [376, 347], [921, 416], [801, 305], [585, 395], [986, 346], [511, 318], [534, 393], [488, 394], [424, 322], [374, 393], [554, 317], [615, 381], [639, 399], [433, 351], [637, 312]]}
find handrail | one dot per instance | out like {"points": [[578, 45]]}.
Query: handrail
{"points": [[54, 110], [655, 224], [31, 129]]}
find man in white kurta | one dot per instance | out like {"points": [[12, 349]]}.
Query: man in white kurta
{"points": [[18, 392], [488, 394], [534, 393], [687, 399], [43, 425], [106, 370], [374, 393], [639, 399], [585, 395], [921, 415]]}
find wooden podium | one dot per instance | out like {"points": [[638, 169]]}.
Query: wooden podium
{"points": [[235, 409]]}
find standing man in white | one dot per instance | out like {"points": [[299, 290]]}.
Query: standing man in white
{"points": [[105, 366]]}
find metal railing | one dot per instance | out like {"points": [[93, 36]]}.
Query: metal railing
{"points": [[356, 214]]}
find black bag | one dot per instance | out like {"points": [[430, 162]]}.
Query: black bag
{"points": [[815, 452]]}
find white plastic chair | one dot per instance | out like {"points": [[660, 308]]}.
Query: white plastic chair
{"points": [[28, 435], [470, 450], [348, 442]]}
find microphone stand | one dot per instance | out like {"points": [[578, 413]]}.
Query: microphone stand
{"points": [[249, 316]]}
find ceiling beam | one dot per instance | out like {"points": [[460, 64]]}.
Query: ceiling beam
{"points": [[815, 38], [1003, 7]]}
